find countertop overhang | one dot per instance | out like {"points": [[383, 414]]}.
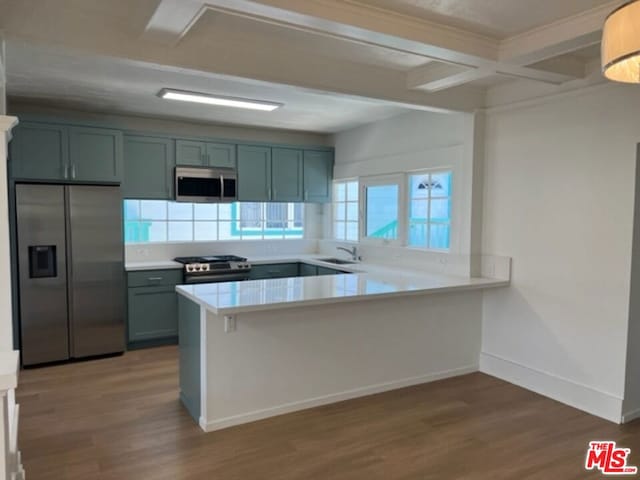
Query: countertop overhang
{"points": [[367, 281]]}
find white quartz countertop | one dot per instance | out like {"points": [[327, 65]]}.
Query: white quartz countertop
{"points": [[152, 265], [367, 281]]}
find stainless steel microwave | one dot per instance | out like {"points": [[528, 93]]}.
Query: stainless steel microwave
{"points": [[206, 184]]}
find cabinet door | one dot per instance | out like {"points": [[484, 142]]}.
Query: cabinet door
{"points": [[39, 151], [318, 172], [153, 313], [191, 153], [327, 271], [254, 173], [148, 168], [307, 270], [95, 154], [221, 155], [286, 175], [276, 270]]}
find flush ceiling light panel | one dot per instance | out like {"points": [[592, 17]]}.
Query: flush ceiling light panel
{"points": [[206, 99]]}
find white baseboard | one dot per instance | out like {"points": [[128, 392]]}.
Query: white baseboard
{"points": [[218, 424], [582, 397], [631, 415]]}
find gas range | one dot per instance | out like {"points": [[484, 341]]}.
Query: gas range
{"points": [[214, 268]]}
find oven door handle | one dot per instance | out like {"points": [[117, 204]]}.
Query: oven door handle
{"points": [[231, 277]]}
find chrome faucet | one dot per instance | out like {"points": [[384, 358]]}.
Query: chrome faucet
{"points": [[351, 251]]}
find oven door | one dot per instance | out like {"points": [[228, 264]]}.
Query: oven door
{"points": [[216, 278]]}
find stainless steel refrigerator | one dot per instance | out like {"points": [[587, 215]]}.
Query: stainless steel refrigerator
{"points": [[71, 271]]}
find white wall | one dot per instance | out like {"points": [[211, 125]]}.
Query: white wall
{"points": [[559, 196], [414, 141], [6, 335]]}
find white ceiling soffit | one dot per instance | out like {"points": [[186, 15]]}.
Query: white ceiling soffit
{"points": [[452, 55], [61, 78]]}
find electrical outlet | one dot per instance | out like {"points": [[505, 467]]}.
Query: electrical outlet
{"points": [[229, 323]]}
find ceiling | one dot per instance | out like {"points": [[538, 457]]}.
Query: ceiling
{"points": [[496, 18], [335, 64], [104, 84]]}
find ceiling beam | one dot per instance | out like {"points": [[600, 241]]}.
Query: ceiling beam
{"points": [[558, 38], [172, 20]]}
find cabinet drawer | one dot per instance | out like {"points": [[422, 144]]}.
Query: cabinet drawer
{"points": [[276, 270], [150, 278]]}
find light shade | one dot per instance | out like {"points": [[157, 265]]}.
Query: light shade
{"points": [[621, 44], [207, 99]]}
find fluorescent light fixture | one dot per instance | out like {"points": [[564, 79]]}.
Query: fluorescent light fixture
{"points": [[183, 96]]}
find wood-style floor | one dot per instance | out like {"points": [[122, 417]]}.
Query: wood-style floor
{"points": [[120, 418]]}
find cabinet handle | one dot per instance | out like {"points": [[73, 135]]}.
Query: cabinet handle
{"points": [[306, 194], [274, 271], [65, 171], [73, 171], [154, 279], [269, 194]]}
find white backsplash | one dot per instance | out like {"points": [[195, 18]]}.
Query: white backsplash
{"points": [[246, 248], [436, 262]]}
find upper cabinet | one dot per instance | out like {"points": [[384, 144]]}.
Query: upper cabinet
{"points": [[205, 154], [254, 173], [148, 167], [144, 164], [318, 172], [95, 154], [41, 151], [279, 174], [286, 175]]}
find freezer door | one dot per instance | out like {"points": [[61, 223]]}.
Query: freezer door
{"points": [[42, 274], [96, 270]]}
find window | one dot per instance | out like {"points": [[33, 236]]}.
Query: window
{"points": [[163, 221], [383, 219], [429, 223], [345, 210]]}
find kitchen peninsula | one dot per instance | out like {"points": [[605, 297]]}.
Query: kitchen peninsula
{"points": [[256, 349]]}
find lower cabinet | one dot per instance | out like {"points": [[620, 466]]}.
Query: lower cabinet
{"points": [[276, 270], [152, 313], [285, 270]]}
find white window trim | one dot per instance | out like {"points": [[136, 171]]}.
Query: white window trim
{"points": [[333, 219], [429, 171], [396, 179]]}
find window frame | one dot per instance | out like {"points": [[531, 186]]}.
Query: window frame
{"points": [[398, 179], [408, 200], [290, 232], [346, 203]]}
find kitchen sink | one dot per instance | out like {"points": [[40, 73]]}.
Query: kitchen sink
{"points": [[337, 261]]}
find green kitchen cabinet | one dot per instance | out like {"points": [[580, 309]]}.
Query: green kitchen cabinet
{"points": [[95, 154], [254, 173], [276, 270], [318, 173], [286, 175], [307, 270], [39, 151], [153, 313], [148, 167], [221, 155], [191, 153], [205, 154], [328, 271], [152, 307]]}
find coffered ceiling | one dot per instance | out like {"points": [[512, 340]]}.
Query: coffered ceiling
{"points": [[334, 63]]}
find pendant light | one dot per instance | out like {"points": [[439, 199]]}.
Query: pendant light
{"points": [[621, 44]]}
